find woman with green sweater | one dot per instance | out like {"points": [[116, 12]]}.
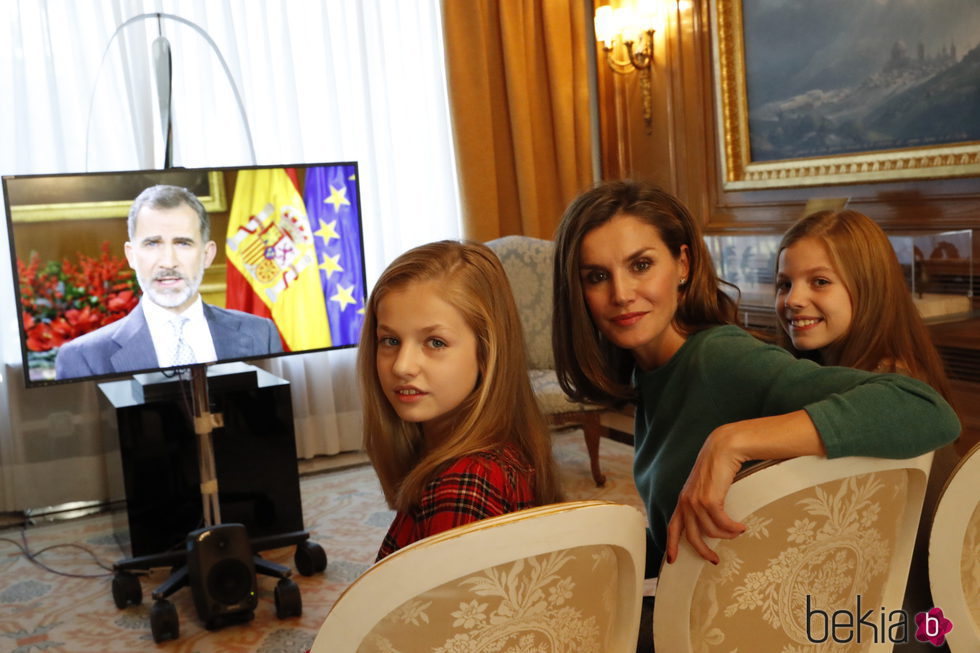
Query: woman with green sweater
{"points": [[640, 316]]}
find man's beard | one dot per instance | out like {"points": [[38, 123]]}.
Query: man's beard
{"points": [[171, 298]]}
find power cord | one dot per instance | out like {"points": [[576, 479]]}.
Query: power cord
{"points": [[33, 556]]}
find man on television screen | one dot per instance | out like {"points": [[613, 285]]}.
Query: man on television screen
{"points": [[169, 248]]}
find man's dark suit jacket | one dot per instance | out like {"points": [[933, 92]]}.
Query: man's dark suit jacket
{"points": [[126, 345]]}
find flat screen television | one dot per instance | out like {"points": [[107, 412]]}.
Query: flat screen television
{"points": [[287, 251]]}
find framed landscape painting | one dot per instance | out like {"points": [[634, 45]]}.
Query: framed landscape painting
{"points": [[846, 91]]}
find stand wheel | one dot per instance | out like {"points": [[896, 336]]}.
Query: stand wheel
{"points": [[289, 603], [310, 558], [126, 589], [164, 623]]}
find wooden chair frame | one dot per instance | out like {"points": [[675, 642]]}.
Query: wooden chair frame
{"points": [[456, 553], [957, 504], [756, 489]]}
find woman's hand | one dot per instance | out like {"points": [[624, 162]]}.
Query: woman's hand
{"points": [[700, 510]]}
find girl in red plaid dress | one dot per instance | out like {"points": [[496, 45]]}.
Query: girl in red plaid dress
{"points": [[450, 421]]}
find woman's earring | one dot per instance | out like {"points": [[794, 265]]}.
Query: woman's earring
{"points": [[683, 280]]}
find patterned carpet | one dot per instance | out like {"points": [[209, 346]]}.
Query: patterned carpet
{"points": [[344, 512]]}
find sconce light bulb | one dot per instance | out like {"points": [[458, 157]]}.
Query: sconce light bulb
{"points": [[648, 14], [605, 29], [626, 24]]}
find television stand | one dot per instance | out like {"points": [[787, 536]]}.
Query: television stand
{"points": [[161, 436], [160, 386]]}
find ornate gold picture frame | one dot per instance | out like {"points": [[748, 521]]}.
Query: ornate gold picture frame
{"points": [[741, 172], [86, 197]]}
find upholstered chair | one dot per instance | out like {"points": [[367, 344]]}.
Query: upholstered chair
{"points": [[563, 577], [821, 533], [528, 263], [954, 554]]}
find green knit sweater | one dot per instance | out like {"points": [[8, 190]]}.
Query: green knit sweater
{"points": [[723, 375]]}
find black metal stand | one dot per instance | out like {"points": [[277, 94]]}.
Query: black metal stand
{"points": [[224, 585], [309, 557]]}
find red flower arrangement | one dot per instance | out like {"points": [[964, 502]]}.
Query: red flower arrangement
{"points": [[63, 300]]}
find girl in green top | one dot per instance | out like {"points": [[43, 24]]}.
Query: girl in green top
{"points": [[640, 316]]}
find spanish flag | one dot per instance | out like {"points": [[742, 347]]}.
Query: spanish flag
{"points": [[270, 248]]}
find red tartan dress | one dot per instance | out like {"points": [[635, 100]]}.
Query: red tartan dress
{"points": [[471, 488]]}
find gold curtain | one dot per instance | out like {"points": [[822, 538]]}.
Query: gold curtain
{"points": [[519, 95]]}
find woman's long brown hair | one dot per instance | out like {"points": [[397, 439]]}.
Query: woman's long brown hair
{"points": [[589, 367]]}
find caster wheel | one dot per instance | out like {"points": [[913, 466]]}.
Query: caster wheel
{"points": [[310, 558], [126, 589], [164, 623], [289, 603]]}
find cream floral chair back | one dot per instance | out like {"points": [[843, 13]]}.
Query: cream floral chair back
{"points": [[529, 266], [954, 554], [820, 533], [559, 578]]}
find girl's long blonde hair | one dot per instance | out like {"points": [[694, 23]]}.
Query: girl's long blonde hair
{"points": [[886, 331], [501, 409]]}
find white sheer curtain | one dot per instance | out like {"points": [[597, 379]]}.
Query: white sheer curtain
{"points": [[319, 80]]}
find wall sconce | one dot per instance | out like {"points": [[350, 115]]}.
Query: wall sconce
{"points": [[631, 27]]}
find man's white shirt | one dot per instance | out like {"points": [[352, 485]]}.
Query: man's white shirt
{"points": [[196, 333]]}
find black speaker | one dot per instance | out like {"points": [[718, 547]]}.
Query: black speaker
{"points": [[221, 573]]}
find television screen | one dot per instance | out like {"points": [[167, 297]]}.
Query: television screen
{"points": [[214, 265]]}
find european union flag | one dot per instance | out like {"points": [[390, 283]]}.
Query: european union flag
{"points": [[331, 200]]}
